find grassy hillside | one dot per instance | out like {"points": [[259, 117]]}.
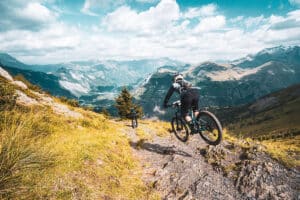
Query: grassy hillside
{"points": [[45, 155], [274, 120]]}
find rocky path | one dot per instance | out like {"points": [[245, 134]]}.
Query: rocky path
{"points": [[194, 170]]}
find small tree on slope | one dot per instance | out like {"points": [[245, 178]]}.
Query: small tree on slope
{"points": [[124, 104]]}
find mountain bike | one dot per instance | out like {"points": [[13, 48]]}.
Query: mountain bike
{"points": [[134, 122], [206, 124]]}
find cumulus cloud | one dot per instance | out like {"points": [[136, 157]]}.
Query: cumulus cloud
{"points": [[211, 24], [24, 15], [207, 10], [157, 18], [163, 30], [254, 21], [279, 29], [90, 6]]}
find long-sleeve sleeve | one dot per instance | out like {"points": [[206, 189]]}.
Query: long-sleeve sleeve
{"points": [[168, 95]]}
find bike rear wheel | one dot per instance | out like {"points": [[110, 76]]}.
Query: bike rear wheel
{"points": [[134, 123], [180, 129], [210, 128]]}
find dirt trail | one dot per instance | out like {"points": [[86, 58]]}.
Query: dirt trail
{"points": [[180, 170]]}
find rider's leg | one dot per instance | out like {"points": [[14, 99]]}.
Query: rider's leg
{"points": [[195, 103], [187, 118], [196, 113], [186, 105], [186, 102]]}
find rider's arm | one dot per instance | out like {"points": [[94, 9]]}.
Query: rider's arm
{"points": [[168, 95]]}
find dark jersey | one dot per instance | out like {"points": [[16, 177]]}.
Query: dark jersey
{"points": [[179, 87]]}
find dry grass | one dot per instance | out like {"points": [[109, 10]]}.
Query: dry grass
{"points": [[48, 156], [285, 150], [21, 153], [93, 160]]}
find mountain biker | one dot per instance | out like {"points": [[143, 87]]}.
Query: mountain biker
{"points": [[189, 98], [133, 116]]}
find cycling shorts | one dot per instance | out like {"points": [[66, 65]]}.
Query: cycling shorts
{"points": [[189, 100]]}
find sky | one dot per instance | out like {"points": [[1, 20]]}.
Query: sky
{"points": [[192, 31]]}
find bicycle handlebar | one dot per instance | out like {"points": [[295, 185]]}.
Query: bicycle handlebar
{"points": [[174, 104]]}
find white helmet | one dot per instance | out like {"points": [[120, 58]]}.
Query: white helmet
{"points": [[177, 78]]}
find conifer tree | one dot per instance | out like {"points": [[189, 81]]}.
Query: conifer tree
{"points": [[124, 104]]}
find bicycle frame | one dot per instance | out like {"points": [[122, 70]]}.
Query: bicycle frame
{"points": [[191, 114]]}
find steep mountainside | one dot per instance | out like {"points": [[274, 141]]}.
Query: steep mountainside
{"points": [[276, 115], [287, 55], [229, 84], [47, 82]]}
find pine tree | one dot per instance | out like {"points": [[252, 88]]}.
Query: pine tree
{"points": [[124, 104]]}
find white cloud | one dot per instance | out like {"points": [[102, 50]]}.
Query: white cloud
{"points": [[160, 31], [36, 12], [90, 7], [86, 8], [207, 10], [38, 44], [237, 19], [157, 18], [280, 30], [254, 21], [294, 14], [25, 15], [211, 24]]}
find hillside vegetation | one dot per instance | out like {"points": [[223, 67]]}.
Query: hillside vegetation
{"points": [[274, 120], [46, 154]]}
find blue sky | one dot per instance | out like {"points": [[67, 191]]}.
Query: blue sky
{"points": [[51, 31]]}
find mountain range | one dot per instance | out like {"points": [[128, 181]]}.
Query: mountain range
{"points": [[89, 81], [232, 83], [228, 84]]}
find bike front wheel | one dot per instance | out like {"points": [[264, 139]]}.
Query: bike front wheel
{"points": [[210, 128], [180, 129]]}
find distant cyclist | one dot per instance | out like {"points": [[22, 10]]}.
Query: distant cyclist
{"points": [[189, 98], [133, 116]]}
